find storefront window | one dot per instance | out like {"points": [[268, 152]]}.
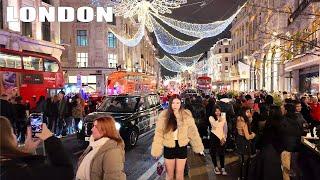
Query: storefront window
{"points": [[309, 82]]}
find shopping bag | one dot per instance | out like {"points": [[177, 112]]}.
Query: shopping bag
{"points": [[160, 168]]}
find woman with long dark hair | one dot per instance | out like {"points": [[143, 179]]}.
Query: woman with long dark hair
{"points": [[174, 130], [243, 140], [218, 137]]}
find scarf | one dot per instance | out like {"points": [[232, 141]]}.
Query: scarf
{"points": [[86, 158]]}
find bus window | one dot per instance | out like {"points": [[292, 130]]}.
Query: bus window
{"points": [[32, 63], [50, 66], [10, 61]]}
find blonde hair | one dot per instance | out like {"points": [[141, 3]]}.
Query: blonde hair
{"points": [[106, 126], [7, 141]]}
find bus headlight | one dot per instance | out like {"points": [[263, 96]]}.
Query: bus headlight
{"points": [[118, 126]]}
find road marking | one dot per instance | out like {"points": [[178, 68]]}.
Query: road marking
{"points": [[151, 170]]}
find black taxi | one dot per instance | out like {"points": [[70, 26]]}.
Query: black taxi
{"points": [[135, 116]]}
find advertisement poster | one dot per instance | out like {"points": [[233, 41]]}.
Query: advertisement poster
{"points": [[9, 83]]}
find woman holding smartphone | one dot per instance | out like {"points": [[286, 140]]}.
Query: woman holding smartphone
{"points": [[218, 136], [19, 163]]}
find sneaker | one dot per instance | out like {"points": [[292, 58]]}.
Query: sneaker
{"points": [[216, 170], [59, 136], [224, 172]]}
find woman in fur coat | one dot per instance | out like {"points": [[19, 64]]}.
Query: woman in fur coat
{"points": [[174, 130]]}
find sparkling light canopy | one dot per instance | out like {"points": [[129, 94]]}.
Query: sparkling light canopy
{"points": [[146, 11]]}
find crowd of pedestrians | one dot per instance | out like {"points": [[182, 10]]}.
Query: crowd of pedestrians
{"points": [[62, 114], [264, 130]]}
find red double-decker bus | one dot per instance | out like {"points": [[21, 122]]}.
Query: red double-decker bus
{"points": [[204, 84], [29, 74]]}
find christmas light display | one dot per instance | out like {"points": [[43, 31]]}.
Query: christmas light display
{"points": [[147, 11], [168, 42], [136, 38], [188, 61], [197, 30], [175, 66], [170, 65]]}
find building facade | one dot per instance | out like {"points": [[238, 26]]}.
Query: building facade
{"points": [[36, 37], [219, 58], [302, 66], [240, 49], [258, 55], [93, 52]]}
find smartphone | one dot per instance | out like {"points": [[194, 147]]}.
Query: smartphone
{"points": [[36, 120], [223, 115]]}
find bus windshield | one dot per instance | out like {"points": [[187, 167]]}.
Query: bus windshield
{"points": [[119, 104]]}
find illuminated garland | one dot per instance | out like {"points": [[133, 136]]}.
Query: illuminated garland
{"points": [[133, 41], [168, 42], [170, 65], [188, 61], [146, 12], [198, 30], [178, 67]]}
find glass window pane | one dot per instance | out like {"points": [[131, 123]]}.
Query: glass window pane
{"points": [[32, 63], [92, 79], [50, 66], [82, 39], [73, 79], [84, 79], [10, 61], [112, 41], [82, 59]]}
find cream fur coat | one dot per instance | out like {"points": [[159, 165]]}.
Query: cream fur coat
{"points": [[187, 132]]}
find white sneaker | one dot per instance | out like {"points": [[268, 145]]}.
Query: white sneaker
{"points": [[224, 172], [216, 170], [59, 136]]}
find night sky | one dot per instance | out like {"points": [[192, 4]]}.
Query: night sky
{"points": [[201, 11]]}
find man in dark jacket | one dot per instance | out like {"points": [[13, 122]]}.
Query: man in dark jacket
{"points": [[199, 114], [62, 106], [7, 110]]}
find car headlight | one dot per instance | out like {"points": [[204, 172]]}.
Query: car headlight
{"points": [[118, 126]]}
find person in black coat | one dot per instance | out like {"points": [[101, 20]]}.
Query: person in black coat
{"points": [[268, 164], [7, 110], [21, 118], [19, 164], [199, 114]]}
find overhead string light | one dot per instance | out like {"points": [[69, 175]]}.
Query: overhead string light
{"points": [[188, 61], [170, 65], [198, 30], [178, 67], [132, 41], [168, 42], [146, 12]]}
